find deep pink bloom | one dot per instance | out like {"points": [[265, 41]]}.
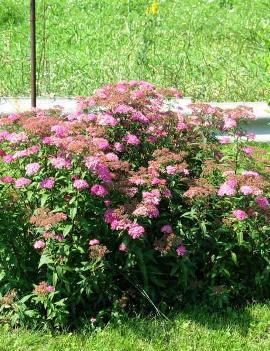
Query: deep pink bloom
{"points": [[167, 228], [47, 183], [32, 168], [248, 150], [39, 244], [263, 202], [181, 250], [107, 202], [60, 130], [7, 179], [22, 182], [80, 184], [50, 288], [240, 214], [99, 190], [94, 242], [8, 158]]}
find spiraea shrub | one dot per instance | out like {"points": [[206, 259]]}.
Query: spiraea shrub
{"points": [[129, 206]]}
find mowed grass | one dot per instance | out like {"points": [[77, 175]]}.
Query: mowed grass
{"points": [[211, 49], [194, 329]]}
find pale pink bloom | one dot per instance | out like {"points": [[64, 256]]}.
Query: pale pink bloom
{"points": [[232, 182], [50, 288], [132, 139], [59, 237], [226, 189], [32, 168], [167, 228], [91, 117], [250, 190], [60, 162], [229, 123], [137, 94], [22, 182], [263, 202], [250, 174], [60, 130], [250, 136], [248, 150], [48, 235], [240, 214], [47, 183], [121, 224], [227, 173], [135, 230], [171, 170], [80, 184], [14, 117], [181, 126], [145, 210], [39, 244], [101, 143], [181, 250], [8, 158], [123, 109], [118, 147], [151, 197], [47, 140], [225, 139], [131, 192], [99, 190], [14, 138], [93, 320], [112, 157], [107, 119], [4, 135], [123, 247], [94, 242]]}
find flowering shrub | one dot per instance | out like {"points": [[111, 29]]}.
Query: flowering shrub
{"points": [[123, 205]]}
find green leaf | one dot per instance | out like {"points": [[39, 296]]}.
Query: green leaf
{"points": [[73, 212], [44, 259], [234, 257], [67, 229], [43, 199]]}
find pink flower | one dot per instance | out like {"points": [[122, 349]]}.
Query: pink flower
{"points": [[91, 117], [32, 168], [8, 158], [22, 182], [94, 242], [132, 139], [167, 228], [227, 188], [107, 202], [118, 147], [181, 250], [250, 136], [263, 202], [107, 120], [99, 190], [250, 190], [47, 183], [124, 109], [123, 247], [50, 288], [181, 126], [60, 130], [225, 139], [240, 214], [250, 174], [39, 244], [135, 230], [60, 162], [101, 143], [80, 184], [248, 150], [229, 123], [151, 197], [7, 179], [15, 138], [110, 216]]}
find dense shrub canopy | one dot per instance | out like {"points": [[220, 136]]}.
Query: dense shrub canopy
{"points": [[126, 205]]}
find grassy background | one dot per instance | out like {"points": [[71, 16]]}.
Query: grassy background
{"points": [[211, 49], [194, 329]]}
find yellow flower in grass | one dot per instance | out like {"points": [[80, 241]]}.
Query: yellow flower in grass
{"points": [[153, 9]]}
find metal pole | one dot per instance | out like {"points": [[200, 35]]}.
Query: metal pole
{"points": [[33, 53]]}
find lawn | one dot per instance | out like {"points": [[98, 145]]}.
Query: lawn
{"points": [[211, 49], [193, 329]]}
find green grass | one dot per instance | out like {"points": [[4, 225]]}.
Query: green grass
{"points": [[194, 329], [211, 49]]}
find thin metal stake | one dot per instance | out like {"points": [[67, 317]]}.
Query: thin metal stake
{"points": [[33, 53]]}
